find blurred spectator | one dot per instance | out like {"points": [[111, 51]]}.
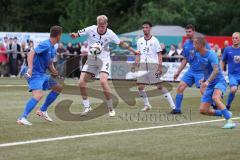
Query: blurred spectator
{"points": [[217, 50], [61, 54], [77, 59], [164, 51], [179, 52], [225, 44], [172, 52], [70, 48], [84, 53], [5, 43], [3, 60], [12, 52], [30, 45], [19, 56]]}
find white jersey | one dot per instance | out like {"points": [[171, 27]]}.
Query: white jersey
{"points": [[93, 36], [149, 50]]}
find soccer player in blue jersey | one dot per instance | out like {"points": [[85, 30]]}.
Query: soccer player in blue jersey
{"points": [[213, 81], [231, 56], [39, 60], [194, 73]]}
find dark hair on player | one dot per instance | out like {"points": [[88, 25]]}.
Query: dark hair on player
{"points": [[55, 31], [148, 23], [190, 26]]}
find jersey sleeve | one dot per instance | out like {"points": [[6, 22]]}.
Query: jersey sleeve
{"points": [[158, 46], [84, 31], [114, 38], [42, 47], [225, 55]]}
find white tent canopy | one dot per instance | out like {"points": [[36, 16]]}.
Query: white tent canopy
{"points": [[162, 30]]}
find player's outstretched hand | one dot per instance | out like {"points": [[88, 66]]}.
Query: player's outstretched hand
{"points": [[28, 74], [73, 35]]}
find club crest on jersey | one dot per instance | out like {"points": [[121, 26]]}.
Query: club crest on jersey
{"points": [[237, 59]]}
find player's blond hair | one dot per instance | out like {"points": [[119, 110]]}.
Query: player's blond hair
{"points": [[236, 33], [102, 19]]}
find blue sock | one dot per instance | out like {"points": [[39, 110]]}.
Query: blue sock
{"points": [[230, 98], [218, 113], [179, 98], [29, 107], [49, 100], [226, 114]]}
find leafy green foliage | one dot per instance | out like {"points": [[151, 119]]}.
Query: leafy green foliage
{"points": [[214, 17]]}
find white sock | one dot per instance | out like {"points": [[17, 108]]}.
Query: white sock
{"points": [[110, 104], [169, 99], [143, 94], [86, 103]]}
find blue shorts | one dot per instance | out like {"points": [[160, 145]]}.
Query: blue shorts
{"points": [[191, 77], [41, 82], [207, 96], [234, 80]]}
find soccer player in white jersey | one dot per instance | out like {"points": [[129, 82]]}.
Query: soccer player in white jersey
{"points": [[150, 60], [102, 64]]}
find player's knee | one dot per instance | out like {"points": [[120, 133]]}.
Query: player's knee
{"points": [[38, 96], [140, 87], [215, 98], [180, 89], [103, 82], [58, 89], [233, 90], [203, 111]]}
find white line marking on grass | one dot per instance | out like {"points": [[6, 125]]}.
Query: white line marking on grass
{"points": [[106, 133], [13, 85]]}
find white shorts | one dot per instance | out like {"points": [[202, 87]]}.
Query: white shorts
{"points": [[96, 65], [151, 76]]}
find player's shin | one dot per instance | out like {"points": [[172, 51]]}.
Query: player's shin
{"points": [[29, 107], [49, 100], [143, 94]]}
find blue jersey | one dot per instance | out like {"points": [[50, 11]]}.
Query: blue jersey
{"points": [[207, 62], [190, 54], [44, 54], [232, 57]]}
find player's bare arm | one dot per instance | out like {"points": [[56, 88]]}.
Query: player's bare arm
{"points": [[125, 45], [212, 76], [30, 62], [52, 69], [181, 67]]}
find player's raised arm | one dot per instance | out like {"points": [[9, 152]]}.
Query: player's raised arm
{"points": [[125, 45]]}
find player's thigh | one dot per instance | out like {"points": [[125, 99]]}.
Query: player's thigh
{"points": [[103, 76], [188, 78], [219, 89], [105, 66], [85, 77], [91, 67]]}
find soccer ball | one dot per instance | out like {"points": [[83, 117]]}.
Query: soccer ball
{"points": [[95, 49]]}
